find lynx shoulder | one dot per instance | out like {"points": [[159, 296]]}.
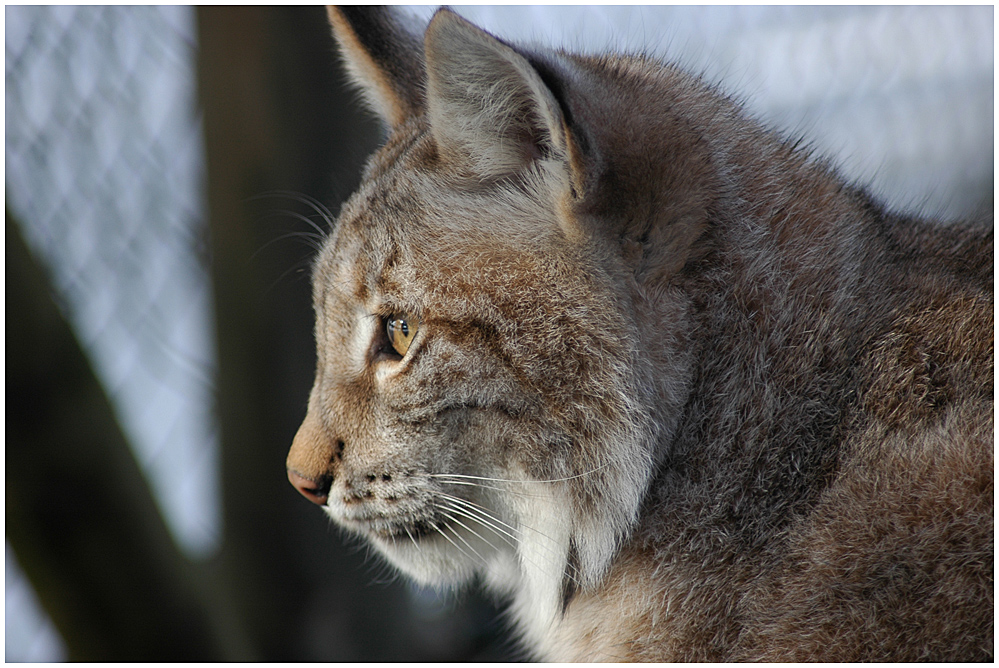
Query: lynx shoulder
{"points": [[589, 333]]}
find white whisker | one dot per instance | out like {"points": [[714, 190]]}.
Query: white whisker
{"points": [[469, 530], [478, 508], [445, 536], [311, 202], [476, 477], [496, 525], [472, 506], [487, 522], [481, 486], [452, 519]]}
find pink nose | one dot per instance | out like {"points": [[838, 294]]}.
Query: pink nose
{"points": [[315, 491]]}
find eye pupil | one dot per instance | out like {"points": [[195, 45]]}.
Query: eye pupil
{"points": [[401, 329]]}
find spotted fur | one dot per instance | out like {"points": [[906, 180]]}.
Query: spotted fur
{"points": [[678, 391]]}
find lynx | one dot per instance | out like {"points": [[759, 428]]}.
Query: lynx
{"points": [[655, 375]]}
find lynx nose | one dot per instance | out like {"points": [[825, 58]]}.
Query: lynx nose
{"points": [[315, 491], [311, 460]]}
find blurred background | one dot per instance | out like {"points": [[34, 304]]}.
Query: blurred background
{"points": [[165, 168]]}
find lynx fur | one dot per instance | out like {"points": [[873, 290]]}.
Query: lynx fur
{"points": [[676, 390]]}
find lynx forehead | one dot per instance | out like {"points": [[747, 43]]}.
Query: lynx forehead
{"points": [[591, 334]]}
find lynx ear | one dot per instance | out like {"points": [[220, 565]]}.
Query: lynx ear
{"points": [[488, 105], [384, 59]]}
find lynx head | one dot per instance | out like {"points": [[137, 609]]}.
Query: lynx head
{"points": [[497, 367]]}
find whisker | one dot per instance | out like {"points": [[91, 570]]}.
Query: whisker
{"points": [[412, 538], [486, 518], [313, 240], [482, 510], [481, 486], [299, 266], [312, 202], [474, 533], [498, 530], [496, 525], [476, 477], [452, 519], [319, 231], [316, 205], [445, 536]]}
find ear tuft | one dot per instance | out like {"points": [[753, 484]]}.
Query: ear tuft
{"points": [[384, 59], [488, 107]]}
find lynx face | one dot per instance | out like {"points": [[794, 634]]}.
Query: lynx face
{"points": [[511, 394], [485, 401]]}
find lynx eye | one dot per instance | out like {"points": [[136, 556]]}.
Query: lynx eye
{"points": [[401, 328]]}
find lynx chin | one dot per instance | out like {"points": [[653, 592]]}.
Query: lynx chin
{"points": [[655, 375]]}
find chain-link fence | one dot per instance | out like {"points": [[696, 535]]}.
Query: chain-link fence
{"points": [[105, 169], [104, 166]]}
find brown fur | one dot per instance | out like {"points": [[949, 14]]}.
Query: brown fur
{"points": [[679, 392]]}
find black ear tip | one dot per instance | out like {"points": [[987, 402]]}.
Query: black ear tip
{"points": [[384, 56]]}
